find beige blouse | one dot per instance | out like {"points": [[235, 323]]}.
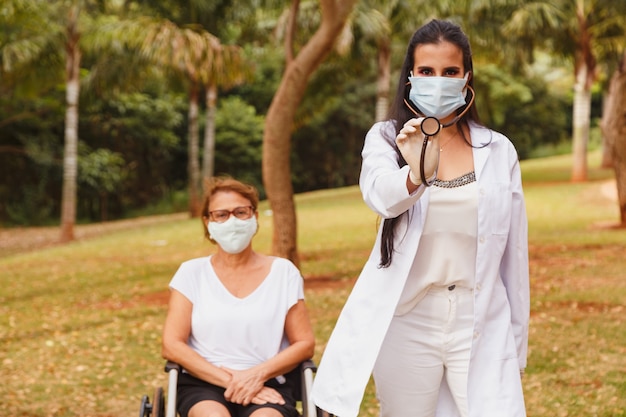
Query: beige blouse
{"points": [[447, 250]]}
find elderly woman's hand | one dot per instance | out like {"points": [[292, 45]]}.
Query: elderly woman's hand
{"points": [[247, 387], [268, 395]]}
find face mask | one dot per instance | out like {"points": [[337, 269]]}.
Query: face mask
{"points": [[234, 235], [438, 96]]}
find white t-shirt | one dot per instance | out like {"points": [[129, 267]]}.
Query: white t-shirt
{"points": [[238, 333]]}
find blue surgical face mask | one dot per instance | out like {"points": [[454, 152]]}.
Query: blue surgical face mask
{"points": [[438, 96]]}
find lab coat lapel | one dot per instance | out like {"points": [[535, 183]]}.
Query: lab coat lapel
{"points": [[480, 137]]}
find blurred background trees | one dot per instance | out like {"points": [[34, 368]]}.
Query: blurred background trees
{"points": [[154, 76]]}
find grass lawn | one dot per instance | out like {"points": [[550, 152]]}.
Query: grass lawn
{"points": [[80, 324]]}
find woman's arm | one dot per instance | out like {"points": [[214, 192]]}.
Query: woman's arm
{"points": [[175, 348], [385, 186]]}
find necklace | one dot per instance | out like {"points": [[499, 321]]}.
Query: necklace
{"points": [[444, 145]]}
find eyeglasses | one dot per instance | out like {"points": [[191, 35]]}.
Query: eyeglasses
{"points": [[242, 213]]}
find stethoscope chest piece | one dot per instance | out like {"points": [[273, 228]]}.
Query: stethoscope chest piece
{"points": [[430, 126]]}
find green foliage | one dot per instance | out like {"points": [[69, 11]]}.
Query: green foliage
{"points": [[327, 146], [525, 110], [101, 170], [332, 121], [268, 66], [137, 117], [173, 201], [34, 207], [100, 173], [135, 107], [30, 158], [238, 140], [138, 137]]}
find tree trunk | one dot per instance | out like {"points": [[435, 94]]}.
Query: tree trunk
{"points": [[208, 155], [279, 125], [607, 156], [383, 79], [613, 127], [193, 166], [70, 161], [581, 121]]}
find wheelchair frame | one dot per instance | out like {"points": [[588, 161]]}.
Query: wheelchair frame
{"points": [[157, 408]]}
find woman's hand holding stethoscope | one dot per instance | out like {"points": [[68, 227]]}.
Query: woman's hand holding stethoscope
{"points": [[418, 142]]}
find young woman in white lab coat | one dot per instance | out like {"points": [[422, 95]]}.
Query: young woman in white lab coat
{"points": [[440, 311]]}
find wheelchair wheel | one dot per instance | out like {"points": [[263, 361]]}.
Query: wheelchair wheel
{"points": [[145, 408], [156, 409], [158, 403]]}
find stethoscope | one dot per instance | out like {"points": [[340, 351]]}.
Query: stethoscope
{"points": [[431, 126]]}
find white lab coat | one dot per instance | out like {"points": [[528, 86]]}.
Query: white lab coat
{"points": [[501, 292]]}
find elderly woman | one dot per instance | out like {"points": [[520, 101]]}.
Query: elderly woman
{"points": [[237, 321]]}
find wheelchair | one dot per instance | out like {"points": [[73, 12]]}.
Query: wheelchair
{"points": [[302, 375]]}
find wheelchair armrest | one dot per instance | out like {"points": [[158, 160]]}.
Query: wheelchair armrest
{"points": [[306, 371], [172, 387], [308, 364], [169, 365]]}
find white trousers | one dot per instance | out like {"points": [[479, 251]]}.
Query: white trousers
{"points": [[421, 348]]}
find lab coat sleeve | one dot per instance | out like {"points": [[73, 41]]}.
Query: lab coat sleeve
{"points": [[514, 267], [382, 180]]}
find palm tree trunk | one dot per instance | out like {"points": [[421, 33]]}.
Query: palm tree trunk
{"points": [[208, 156], [383, 80], [581, 121], [607, 150], [70, 161], [193, 166]]}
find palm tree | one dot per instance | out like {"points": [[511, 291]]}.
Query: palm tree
{"points": [[190, 53], [383, 21], [584, 31], [64, 33], [372, 19], [73, 27], [229, 70], [70, 155], [203, 62]]}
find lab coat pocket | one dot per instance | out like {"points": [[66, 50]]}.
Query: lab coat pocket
{"points": [[500, 200]]}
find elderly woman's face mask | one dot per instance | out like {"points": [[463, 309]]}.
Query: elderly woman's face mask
{"points": [[233, 235]]}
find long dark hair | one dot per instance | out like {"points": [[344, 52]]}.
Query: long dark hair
{"points": [[436, 31]]}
